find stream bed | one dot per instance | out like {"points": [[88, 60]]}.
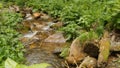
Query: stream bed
{"points": [[41, 41]]}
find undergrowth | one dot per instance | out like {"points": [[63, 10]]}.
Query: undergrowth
{"points": [[88, 15], [10, 46]]}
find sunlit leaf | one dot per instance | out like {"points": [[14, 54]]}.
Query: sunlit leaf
{"points": [[42, 65], [9, 63]]}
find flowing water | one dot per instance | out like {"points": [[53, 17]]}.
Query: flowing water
{"points": [[40, 44]]}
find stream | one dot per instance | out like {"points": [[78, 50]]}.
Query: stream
{"points": [[41, 41]]}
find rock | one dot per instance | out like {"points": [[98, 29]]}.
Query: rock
{"points": [[45, 28], [30, 34], [57, 25], [113, 62], [56, 38], [25, 11], [115, 43], [44, 17], [36, 26], [88, 62], [50, 23], [57, 50], [115, 46], [76, 52], [29, 17], [17, 9], [104, 51], [91, 49], [14, 8], [36, 14], [26, 24]]}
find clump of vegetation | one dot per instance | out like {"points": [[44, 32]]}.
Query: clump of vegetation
{"points": [[21, 3], [71, 31], [10, 46], [92, 14]]}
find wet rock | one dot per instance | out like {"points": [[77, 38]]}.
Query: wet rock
{"points": [[25, 11], [56, 38], [26, 24], [45, 17], [51, 46], [88, 62], [29, 38], [28, 41], [23, 40], [14, 8], [17, 9], [29, 17], [36, 15], [113, 62], [115, 46], [57, 50], [41, 26], [115, 43], [57, 25], [36, 26], [43, 35], [50, 23], [45, 28], [30, 34]]}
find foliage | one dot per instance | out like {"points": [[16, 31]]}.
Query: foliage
{"points": [[65, 51], [7, 0], [86, 14], [52, 7], [1, 5], [21, 3], [71, 31], [88, 36], [117, 20], [10, 46], [9, 63]]}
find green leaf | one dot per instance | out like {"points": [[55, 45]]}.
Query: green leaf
{"points": [[9, 63], [1, 5], [21, 66], [42, 65], [65, 52]]}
